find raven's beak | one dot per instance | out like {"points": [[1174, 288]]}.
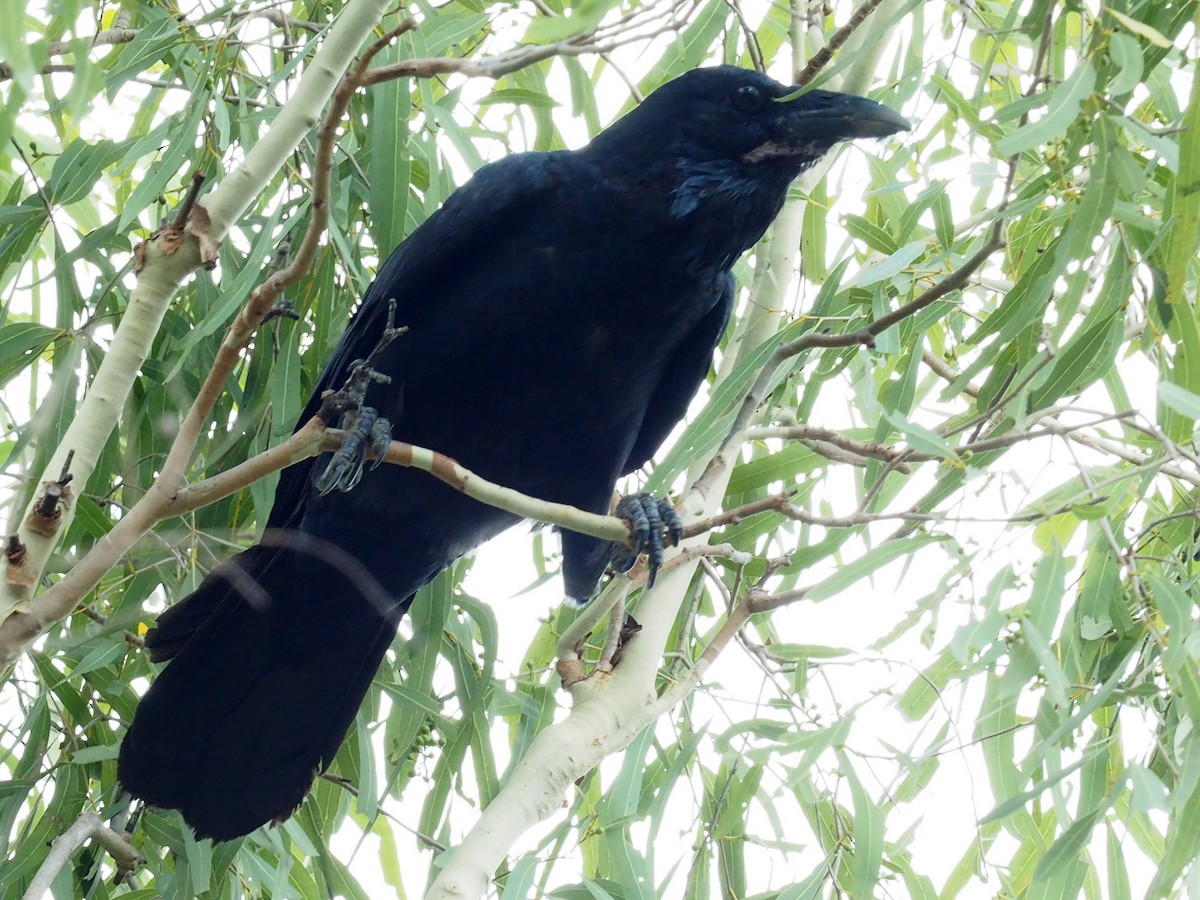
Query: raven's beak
{"points": [[844, 117]]}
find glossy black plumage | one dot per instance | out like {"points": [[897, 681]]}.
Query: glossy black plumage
{"points": [[562, 310]]}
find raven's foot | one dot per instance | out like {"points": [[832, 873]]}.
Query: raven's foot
{"points": [[648, 517], [365, 430]]}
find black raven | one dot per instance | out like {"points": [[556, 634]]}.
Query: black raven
{"points": [[562, 310]]}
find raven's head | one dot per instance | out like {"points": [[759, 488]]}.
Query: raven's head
{"points": [[727, 113], [733, 135]]}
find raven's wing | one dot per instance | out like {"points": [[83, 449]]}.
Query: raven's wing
{"points": [[584, 557], [482, 212], [686, 370]]}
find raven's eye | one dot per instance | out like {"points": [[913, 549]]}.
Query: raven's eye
{"points": [[748, 98]]}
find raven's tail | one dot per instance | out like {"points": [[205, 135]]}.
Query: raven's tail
{"points": [[270, 659]]}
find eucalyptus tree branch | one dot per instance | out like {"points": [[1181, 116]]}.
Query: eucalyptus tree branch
{"points": [[489, 66], [570, 642], [263, 298], [1173, 470], [777, 503], [811, 433], [108, 38], [510, 61], [88, 826], [822, 57], [570, 666]]}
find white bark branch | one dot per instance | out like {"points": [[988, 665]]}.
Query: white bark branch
{"points": [[63, 847], [609, 711]]}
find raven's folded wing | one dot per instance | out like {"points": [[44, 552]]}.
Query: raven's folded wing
{"points": [[482, 213], [685, 371]]}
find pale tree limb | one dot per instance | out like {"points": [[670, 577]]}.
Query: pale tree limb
{"points": [[110, 37], [164, 261], [609, 710], [88, 826], [612, 602]]}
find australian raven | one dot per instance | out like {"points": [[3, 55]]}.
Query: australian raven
{"points": [[562, 310]]}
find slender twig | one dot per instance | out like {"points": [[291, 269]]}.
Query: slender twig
{"points": [[184, 210], [777, 503], [347, 785], [108, 38], [808, 433], [821, 58], [947, 373]]}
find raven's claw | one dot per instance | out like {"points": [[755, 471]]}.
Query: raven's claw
{"points": [[365, 430], [648, 517]]}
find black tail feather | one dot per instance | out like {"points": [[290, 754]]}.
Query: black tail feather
{"points": [[268, 668]]}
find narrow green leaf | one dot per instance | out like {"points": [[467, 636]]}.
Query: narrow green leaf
{"points": [[919, 437], [871, 235], [447, 29], [1179, 399], [181, 145], [1067, 846], [520, 97], [884, 269], [1179, 663], [1118, 872], [870, 562], [1062, 109], [1127, 55], [1141, 29], [1182, 845], [390, 164], [153, 41], [21, 343], [79, 167], [868, 832], [98, 753], [1182, 238]]}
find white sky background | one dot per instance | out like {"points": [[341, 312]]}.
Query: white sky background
{"points": [[735, 688]]}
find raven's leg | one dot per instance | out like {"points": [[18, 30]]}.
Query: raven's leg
{"points": [[365, 429]]}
